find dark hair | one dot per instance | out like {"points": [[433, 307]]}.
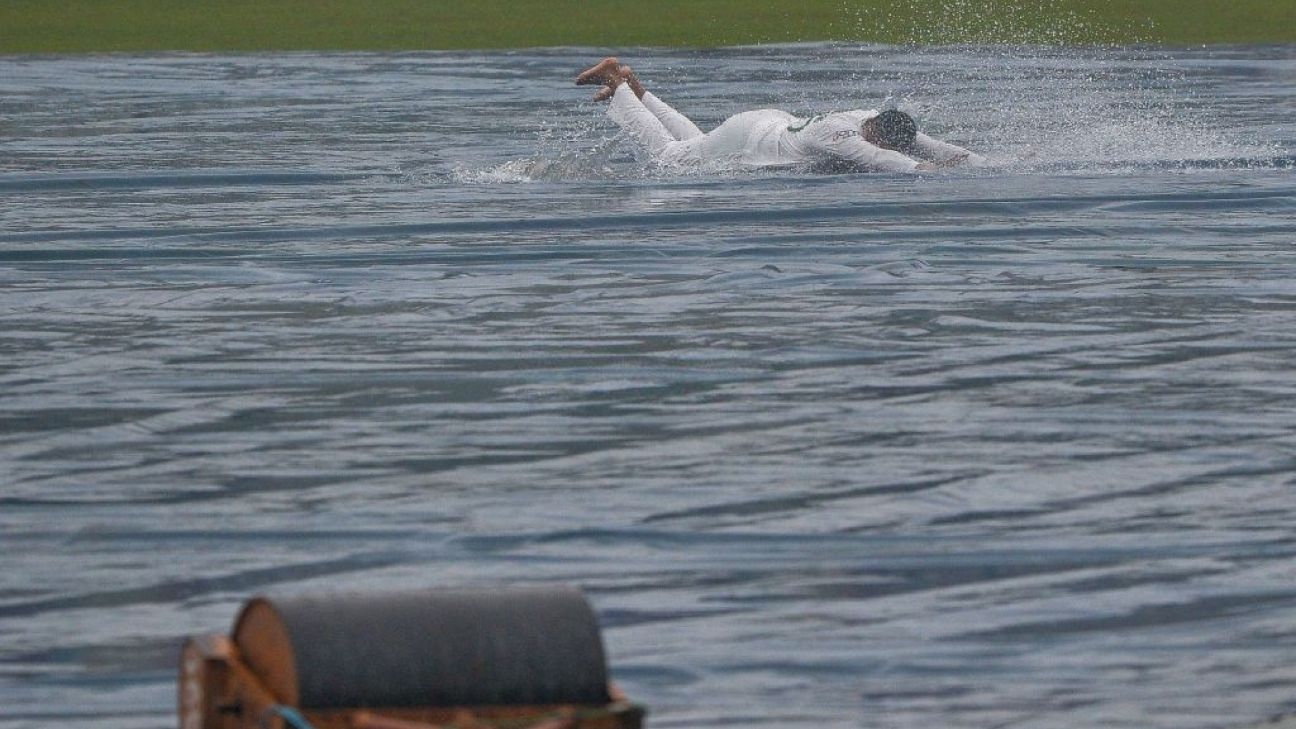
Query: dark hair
{"points": [[896, 129]]}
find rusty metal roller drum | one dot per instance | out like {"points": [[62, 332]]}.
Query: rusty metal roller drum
{"points": [[513, 646]]}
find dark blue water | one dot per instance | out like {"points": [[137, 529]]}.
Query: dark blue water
{"points": [[1003, 447]]}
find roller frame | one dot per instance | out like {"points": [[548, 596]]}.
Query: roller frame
{"points": [[218, 691]]}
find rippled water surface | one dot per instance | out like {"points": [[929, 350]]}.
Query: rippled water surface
{"points": [[1005, 447]]}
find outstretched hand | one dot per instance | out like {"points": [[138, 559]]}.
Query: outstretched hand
{"points": [[954, 161]]}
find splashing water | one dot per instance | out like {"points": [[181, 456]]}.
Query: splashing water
{"points": [[1007, 22], [1028, 107], [1035, 86], [1049, 86]]}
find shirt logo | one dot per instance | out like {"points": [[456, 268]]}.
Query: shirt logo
{"points": [[806, 123]]}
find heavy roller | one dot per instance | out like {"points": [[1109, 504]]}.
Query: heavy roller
{"points": [[453, 659]]}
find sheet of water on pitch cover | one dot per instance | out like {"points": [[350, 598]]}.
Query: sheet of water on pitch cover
{"points": [[1000, 447]]}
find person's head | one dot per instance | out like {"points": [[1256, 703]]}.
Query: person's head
{"points": [[892, 129]]}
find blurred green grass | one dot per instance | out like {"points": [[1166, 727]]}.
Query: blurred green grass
{"points": [[62, 26]]}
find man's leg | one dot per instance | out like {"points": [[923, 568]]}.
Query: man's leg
{"points": [[612, 73], [678, 124], [629, 112]]}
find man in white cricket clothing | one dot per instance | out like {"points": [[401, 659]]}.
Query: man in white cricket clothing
{"points": [[887, 141]]}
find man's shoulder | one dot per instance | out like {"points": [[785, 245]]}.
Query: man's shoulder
{"points": [[859, 116], [827, 123]]}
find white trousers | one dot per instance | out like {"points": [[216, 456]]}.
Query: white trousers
{"points": [[672, 138]]}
